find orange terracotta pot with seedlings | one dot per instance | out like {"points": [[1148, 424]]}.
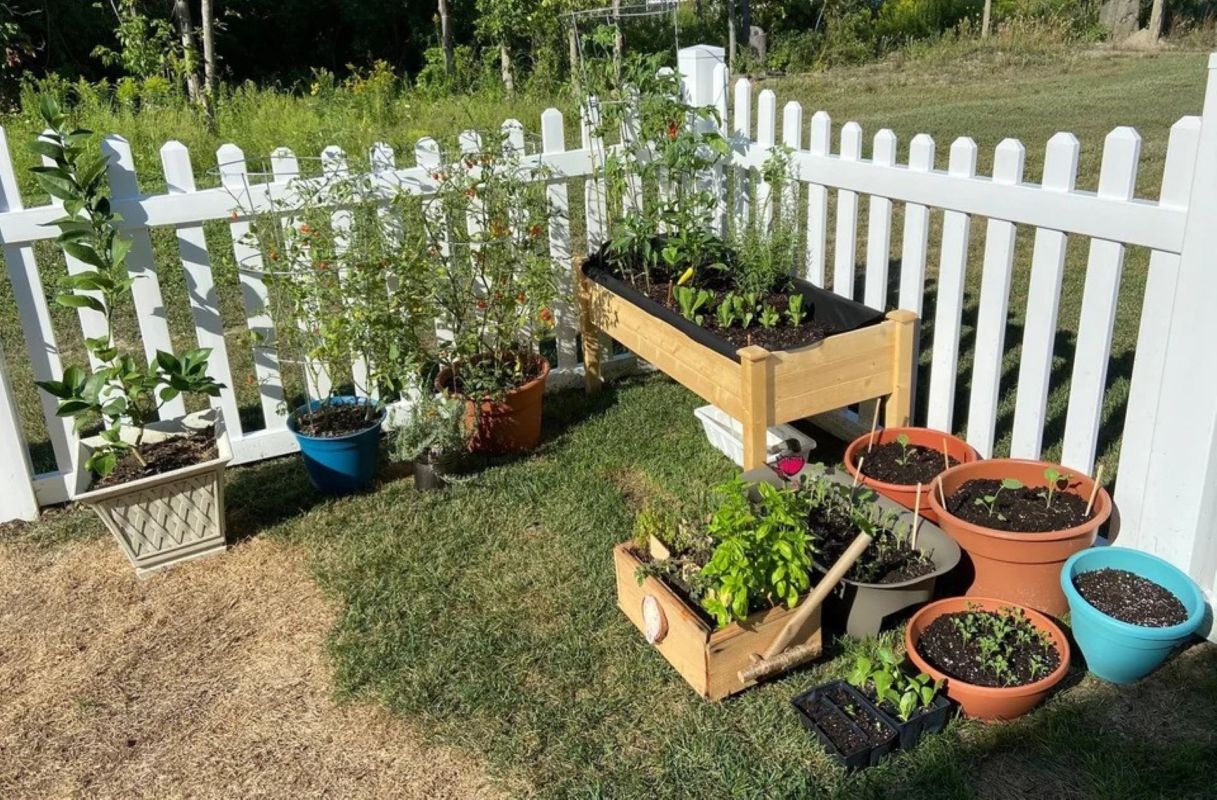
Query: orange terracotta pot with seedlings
{"points": [[1004, 516], [910, 451]]}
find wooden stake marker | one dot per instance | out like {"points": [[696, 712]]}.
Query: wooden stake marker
{"points": [[874, 426], [916, 517], [1094, 490]]}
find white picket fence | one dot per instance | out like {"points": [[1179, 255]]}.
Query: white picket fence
{"points": [[1167, 488]]}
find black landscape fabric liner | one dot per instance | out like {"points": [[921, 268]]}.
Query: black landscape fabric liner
{"points": [[839, 314]]}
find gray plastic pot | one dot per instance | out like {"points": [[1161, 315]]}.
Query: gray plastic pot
{"points": [[860, 609]]}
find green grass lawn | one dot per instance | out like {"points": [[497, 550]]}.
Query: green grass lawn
{"points": [[487, 614]]}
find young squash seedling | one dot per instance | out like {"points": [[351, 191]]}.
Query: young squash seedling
{"points": [[906, 452], [989, 501], [1054, 478]]}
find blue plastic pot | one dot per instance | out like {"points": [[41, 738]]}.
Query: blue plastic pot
{"points": [[1117, 651], [339, 464]]}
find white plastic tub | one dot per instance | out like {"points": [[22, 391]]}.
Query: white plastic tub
{"points": [[726, 435]]}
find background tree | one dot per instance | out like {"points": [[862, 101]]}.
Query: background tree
{"points": [[445, 28], [190, 59]]}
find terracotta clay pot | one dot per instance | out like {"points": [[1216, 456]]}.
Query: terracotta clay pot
{"points": [[987, 703], [512, 425], [906, 494], [1022, 568]]}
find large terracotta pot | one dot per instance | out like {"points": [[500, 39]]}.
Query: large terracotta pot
{"points": [[906, 494], [512, 425], [1023, 568], [984, 702]]}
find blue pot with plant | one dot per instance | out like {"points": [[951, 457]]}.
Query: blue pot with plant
{"points": [[339, 438], [1129, 610]]}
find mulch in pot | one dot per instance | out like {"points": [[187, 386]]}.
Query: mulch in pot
{"points": [[947, 646], [1130, 598], [178, 452], [331, 420], [890, 464], [1024, 510]]}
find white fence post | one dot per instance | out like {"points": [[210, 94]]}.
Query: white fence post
{"points": [[1178, 519], [17, 499]]}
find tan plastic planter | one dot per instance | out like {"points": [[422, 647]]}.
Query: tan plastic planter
{"points": [[1022, 568], [906, 494], [983, 702], [169, 518]]}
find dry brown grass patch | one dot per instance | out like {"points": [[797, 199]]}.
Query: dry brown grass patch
{"points": [[208, 681]]}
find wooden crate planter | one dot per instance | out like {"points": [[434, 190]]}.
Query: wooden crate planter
{"points": [[710, 660], [169, 518], [763, 388]]}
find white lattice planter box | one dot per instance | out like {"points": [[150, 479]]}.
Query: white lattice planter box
{"points": [[168, 518]]}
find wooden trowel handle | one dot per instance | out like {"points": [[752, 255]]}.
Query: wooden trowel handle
{"points": [[770, 662]]}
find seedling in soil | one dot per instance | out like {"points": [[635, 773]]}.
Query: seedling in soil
{"points": [[989, 501], [692, 301], [726, 313], [795, 311], [999, 637], [770, 317], [906, 452], [1054, 478], [908, 694]]}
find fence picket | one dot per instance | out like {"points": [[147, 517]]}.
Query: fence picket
{"points": [[996, 272], [566, 320], [595, 197], [35, 316], [741, 133], [1100, 298], [956, 228], [1157, 311], [1043, 302], [17, 498], [141, 264], [879, 228], [766, 130], [916, 239], [792, 137], [427, 156], [200, 285], [235, 178], [718, 173], [847, 217], [817, 203]]}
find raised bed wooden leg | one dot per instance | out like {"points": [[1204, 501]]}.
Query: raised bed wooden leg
{"points": [[754, 392], [592, 379], [899, 409]]}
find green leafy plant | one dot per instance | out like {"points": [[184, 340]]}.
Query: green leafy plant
{"points": [[795, 309], [691, 302], [434, 430], [747, 304], [904, 693], [906, 452], [763, 551], [725, 312], [989, 501], [769, 317], [121, 391], [1054, 478]]}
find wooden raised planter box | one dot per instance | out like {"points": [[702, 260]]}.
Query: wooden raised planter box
{"points": [[761, 388], [710, 660]]}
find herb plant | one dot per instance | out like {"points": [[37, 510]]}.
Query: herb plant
{"points": [[906, 694], [121, 391], [434, 430]]}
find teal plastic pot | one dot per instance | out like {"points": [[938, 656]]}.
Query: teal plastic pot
{"points": [[339, 464], [1121, 652]]}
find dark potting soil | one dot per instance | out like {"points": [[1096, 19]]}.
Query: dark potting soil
{"points": [[782, 337], [337, 419], [1017, 510], [870, 730], [164, 456], [890, 463], [1130, 598], [960, 655], [885, 561]]}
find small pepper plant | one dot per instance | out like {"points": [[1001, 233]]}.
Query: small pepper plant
{"points": [[121, 391], [891, 684]]}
